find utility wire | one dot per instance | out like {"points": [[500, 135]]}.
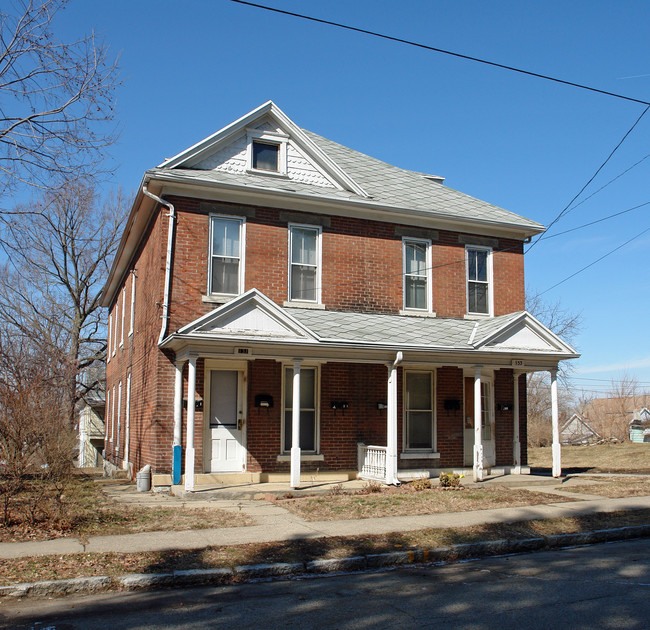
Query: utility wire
{"points": [[591, 179], [591, 264], [439, 50], [584, 225]]}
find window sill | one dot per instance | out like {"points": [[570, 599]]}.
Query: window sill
{"points": [[255, 171], [424, 455], [217, 299], [314, 457], [414, 313], [298, 304], [477, 316]]}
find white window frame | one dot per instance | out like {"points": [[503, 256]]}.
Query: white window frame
{"points": [[113, 415], [123, 315], [434, 416], [115, 312], [489, 282], [109, 338], [119, 416], [427, 243], [285, 408], [487, 410], [242, 256], [132, 303], [319, 262], [267, 137]]}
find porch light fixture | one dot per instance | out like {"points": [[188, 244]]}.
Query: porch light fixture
{"points": [[504, 406], [381, 406]]}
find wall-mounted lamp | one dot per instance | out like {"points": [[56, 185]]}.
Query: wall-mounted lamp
{"points": [[381, 406], [264, 400], [504, 406]]}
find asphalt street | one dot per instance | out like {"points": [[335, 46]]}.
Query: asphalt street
{"points": [[597, 586]]}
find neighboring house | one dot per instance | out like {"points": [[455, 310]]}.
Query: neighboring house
{"points": [[322, 311], [640, 426], [611, 417], [91, 432], [577, 431]]}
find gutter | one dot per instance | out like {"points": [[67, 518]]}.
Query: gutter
{"points": [[168, 260]]}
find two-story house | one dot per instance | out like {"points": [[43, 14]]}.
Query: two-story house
{"points": [[281, 303]]}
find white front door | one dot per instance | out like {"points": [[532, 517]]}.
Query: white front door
{"points": [[225, 450]]}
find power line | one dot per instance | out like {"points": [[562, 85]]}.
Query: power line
{"points": [[591, 179], [591, 264], [439, 50], [584, 225]]}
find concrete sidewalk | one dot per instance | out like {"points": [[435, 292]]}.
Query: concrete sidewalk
{"points": [[277, 524]]}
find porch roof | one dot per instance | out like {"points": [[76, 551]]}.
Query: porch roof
{"points": [[254, 319]]}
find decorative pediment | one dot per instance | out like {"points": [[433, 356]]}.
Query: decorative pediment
{"points": [[251, 315], [523, 333], [289, 152]]}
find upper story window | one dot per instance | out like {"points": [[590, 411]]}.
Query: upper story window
{"points": [[267, 151], [226, 271], [479, 280], [304, 263], [266, 156], [417, 274]]}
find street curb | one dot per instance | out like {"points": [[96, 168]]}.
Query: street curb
{"points": [[245, 573]]}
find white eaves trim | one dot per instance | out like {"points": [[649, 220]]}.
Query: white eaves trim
{"points": [[331, 169]]}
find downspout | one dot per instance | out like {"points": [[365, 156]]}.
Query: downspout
{"points": [[168, 260]]}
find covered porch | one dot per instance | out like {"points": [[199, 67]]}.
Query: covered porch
{"points": [[382, 396]]}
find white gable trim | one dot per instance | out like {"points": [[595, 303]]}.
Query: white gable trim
{"points": [[524, 321], [257, 301], [327, 167]]}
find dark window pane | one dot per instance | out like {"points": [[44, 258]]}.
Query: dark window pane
{"points": [[416, 292], [265, 156], [225, 275], [419, 429], [478, 299], [418, 390], [307, 430], [481, 265]]}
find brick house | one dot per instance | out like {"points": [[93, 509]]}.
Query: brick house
{"points": [[280, 304]]}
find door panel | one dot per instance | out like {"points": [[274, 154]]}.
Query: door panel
{"points": [[226, 422]]}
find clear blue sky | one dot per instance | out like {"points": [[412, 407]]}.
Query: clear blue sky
{"points": [[527, 145]]}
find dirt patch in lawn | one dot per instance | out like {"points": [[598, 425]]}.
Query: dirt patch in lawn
{"points": [[627, 457], [612, 487], [85, 511], [404, 501], [80, 565]]}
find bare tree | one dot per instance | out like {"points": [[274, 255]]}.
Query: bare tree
{"points": [[566, 325], [58, 250], [55, 98]]}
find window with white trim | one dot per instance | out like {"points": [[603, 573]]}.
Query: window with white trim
{"points": [[132, 303], [226, 266], [115, 313], [419, 420], [417, 274], [304, 263], [267, 152], [123, 314], [110, 334], [308, 409], [479, 280], [119, 416], [487, 416]]}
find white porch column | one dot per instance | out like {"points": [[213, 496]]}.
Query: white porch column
{"points": [[295, 426], [478, 438], [557, 450], [391, 419], [189, 450], [516, 444]]}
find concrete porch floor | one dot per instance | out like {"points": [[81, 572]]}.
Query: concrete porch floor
{"points": [[243, 491]]}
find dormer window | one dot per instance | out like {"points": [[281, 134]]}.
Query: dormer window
{"points": [[265, 156], [267, 152]]}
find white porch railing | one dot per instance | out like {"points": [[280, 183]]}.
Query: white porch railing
{"points": [[371, 461]]}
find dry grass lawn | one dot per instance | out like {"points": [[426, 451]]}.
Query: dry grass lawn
{"points": [[404, 501], [612, 487], [627, 457], [78, 565], [86, 511]]}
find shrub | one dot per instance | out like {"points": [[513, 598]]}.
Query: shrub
{"points": [[450, 480], [421, 483], [372, 486]]}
